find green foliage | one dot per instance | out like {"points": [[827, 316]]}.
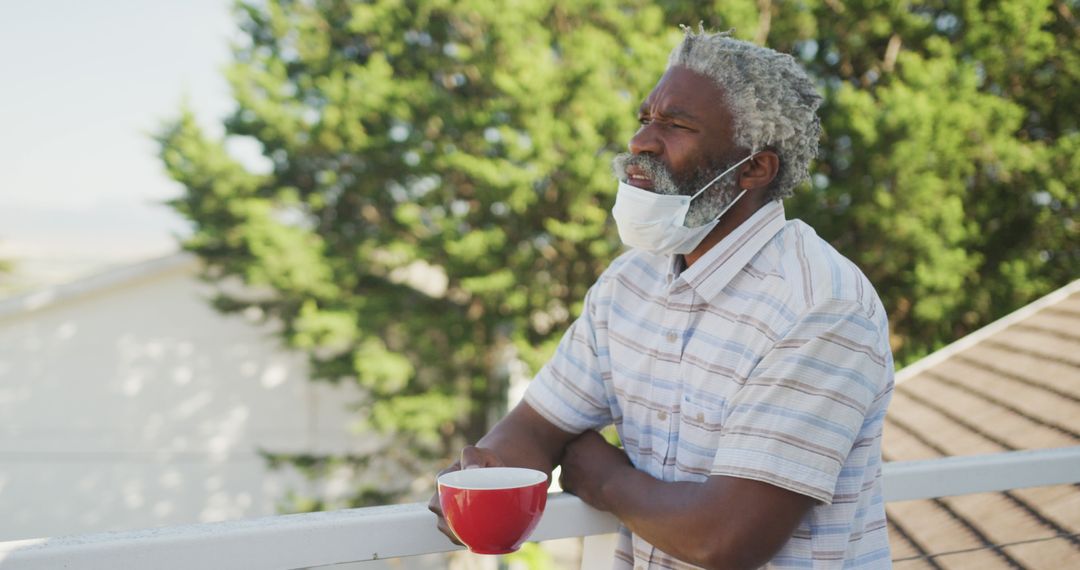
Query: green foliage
{"points": [[438, 191], [530, 556], [7, 270], [439, 188], [948, 168]]}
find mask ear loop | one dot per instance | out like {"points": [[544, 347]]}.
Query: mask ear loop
{"points": [[721, 175], [730, 204], [733, 202]]}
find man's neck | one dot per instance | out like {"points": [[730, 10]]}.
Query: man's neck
{"points": [[730, 220]]}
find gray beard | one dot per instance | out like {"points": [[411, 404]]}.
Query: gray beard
{"points": [[704, 208]]}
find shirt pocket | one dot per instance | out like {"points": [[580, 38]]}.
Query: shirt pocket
{"points": [[700, 428]]}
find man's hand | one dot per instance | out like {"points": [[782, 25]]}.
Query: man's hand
{"points": [[590, 461], [471, 458]]}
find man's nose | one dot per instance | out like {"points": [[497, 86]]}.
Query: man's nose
{"points": [[645, 141]]}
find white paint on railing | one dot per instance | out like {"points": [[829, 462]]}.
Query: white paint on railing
{"points": [[281, 542], [356, 535], [948, 476]]}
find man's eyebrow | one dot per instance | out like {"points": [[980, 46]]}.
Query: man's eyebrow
{"points": [[678, 113], [670, 113]]}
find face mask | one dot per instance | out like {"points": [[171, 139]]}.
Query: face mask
{"points": [[655, 222]]}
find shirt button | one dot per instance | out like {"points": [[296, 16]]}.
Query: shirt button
{"points": [[672, 336], [662, 415], [700, 417]]}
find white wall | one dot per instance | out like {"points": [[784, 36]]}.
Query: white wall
{"points": [[138, 405]]}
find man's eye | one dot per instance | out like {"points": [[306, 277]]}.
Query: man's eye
{"points": [[643, 120]]}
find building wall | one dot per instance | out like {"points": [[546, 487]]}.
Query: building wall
{"points": [[137, 405]]}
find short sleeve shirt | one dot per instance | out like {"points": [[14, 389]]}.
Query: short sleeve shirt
{"points": [[767, 359]]}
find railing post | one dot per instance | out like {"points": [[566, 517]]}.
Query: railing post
{"points": [[598, 551]]}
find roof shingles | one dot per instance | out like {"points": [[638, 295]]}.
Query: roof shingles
{"points": [[1017, 388]]}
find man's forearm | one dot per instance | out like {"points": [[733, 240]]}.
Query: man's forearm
{"points": [[663, 513], [525, 439], [719, 523]]}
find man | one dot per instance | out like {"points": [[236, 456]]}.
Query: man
{"points": [[744, 362]]}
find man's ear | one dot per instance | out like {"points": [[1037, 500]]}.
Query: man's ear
{"points": [[759, 172]]}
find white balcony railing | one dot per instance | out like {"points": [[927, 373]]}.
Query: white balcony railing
{"points": [[377, 533]]}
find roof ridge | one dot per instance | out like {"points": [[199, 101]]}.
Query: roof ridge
{"points": [[111, 277], [969, 340]]}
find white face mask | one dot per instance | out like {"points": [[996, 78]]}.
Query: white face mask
{"points": [[655, 222]]}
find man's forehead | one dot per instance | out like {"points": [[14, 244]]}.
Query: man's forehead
{"points": [[681, 91]]}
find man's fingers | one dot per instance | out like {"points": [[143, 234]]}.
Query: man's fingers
{"points": [[442, 525], [445, 529], [434, 505], [455, 466]]}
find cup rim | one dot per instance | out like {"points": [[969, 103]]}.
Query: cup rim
{"points": [[523, 477]]}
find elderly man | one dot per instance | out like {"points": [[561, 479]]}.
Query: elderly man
{"points": [[744, 362]]}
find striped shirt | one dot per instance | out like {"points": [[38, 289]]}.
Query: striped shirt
{"points": [[767, 359]]}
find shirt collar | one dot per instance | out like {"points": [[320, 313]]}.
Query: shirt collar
{"points": [[714, 270]]}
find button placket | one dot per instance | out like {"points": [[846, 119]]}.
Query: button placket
{"points": [[676, 321], [665, 372]]}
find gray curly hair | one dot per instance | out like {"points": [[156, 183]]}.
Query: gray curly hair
{"points": [[772, 100]]}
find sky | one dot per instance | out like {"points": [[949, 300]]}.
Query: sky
{"points": [[83, 85]]}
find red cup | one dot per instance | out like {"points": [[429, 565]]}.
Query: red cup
{"points": [[493, 510]]}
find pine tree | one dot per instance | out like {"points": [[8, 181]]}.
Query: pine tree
{"points": [[438, 199]]}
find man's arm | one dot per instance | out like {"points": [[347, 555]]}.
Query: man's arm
{"points": [[723, 522], [523, 438]]}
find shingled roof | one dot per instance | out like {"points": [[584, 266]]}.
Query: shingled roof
{"points": [[1013, 385]]}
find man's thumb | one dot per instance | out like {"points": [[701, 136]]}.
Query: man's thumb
{"points": [[473, 457]]}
